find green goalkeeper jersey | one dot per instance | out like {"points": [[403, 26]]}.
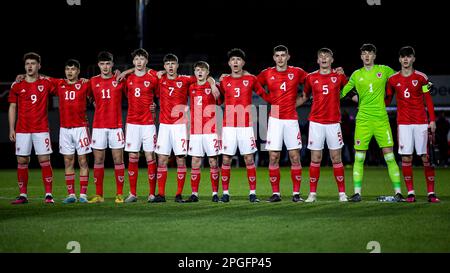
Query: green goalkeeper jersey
{"points": [[371, 88]]}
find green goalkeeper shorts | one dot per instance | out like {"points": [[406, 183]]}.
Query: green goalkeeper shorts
{"points": [[365, 129]]}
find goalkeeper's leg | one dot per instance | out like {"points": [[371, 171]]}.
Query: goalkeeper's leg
{"points": [[394, 172]]}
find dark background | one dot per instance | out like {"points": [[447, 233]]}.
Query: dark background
{"points": [[207, 29]]}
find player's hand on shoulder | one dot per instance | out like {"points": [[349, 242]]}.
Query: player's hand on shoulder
{"points": [[160, 73], [223, 76], [153, 107], [245, 72], [117, 75], [215, 91], [84, 80]]}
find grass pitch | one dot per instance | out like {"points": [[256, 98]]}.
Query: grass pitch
{"points": [[238, 226]]}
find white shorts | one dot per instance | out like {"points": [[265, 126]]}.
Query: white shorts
{"points": [[74, 138], [279, 130], [412, 136], [232, 137], [140, 135], [40, 141], [105, 137], [199, 144], [319, 133], [172, 136]]}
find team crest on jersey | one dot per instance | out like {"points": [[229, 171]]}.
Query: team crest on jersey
{"points": [[272, 78], [333, 79], [77, 86], [114, 83], [245, 82], [40, 88], [179, 84], [291, 76], [415, 82], [207, 91], [316, 81], [146, 83], [379, 74]]}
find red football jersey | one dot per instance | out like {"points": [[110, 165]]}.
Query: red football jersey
{"points": [[283, 89], [202, 108], [140, 93], [410, 98], [72, 102], [238, 99], [32, 103], [173, 97], [325, 91], [107, 94]]}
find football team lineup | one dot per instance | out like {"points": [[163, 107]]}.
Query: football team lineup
{"points": [[372, 87]]}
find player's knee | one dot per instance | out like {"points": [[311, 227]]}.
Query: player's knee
{"points": [[317, 157], [425, 158], [181, 161], [68, 162], [23, 160], [83, 162], [274, 158], [249, 159], [336, 158], [407, 158], [196, 162], [294, 156], [43, 158]]}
